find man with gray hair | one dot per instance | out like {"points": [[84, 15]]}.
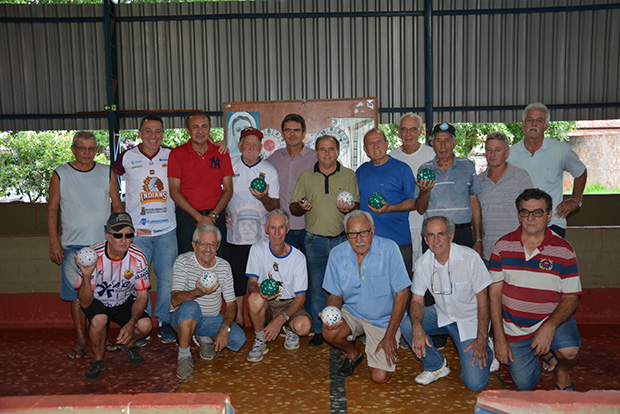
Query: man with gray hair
{"points": [[413, 153], [458, 280], [199, 281], [82, 190], [367, 280], [501, 184], [546, 160], [270, 260]]}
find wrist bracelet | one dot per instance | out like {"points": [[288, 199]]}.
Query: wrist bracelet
{"points": [[579, 202]]}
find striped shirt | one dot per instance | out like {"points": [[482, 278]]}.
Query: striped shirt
{"points": [[468, 275], [450, 195], [187, 270], [497, 203], [113, 281], [533, 288]]}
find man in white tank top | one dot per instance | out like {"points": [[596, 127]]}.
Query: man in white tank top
{"points": [[81, 190]]}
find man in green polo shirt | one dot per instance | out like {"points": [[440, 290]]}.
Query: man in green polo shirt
{"points": [[315, 193]]}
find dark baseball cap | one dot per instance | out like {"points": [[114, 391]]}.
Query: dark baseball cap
{"points": [[445, 127], [251, 131], [118, 221]]}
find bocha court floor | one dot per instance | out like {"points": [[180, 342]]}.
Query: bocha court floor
{"points": [[33, 362]]}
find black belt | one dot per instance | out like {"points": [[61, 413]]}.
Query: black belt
{"points": [[332, 237], [462, 226]]}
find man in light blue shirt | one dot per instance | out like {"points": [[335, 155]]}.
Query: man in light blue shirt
{"points": [[367, 279], [546, 160]]}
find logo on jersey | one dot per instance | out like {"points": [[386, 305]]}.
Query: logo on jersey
{"points": [[275, 267], [546, 264], [153, 191], [128, 274], [215, 163]]}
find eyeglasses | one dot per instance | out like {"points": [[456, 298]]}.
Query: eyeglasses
{"points": [[354, 234], [121, 235], [202, 245], [86, 149], [525, 213], [439, 285]]}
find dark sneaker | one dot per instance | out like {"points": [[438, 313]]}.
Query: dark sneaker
{"points": [[317, 340], [164, 332], [185, 368], [133, 354], [95, 370]]}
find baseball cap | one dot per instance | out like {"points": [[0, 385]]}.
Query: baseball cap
{"points": [[251, 131], [445, 127], [118, 221]]}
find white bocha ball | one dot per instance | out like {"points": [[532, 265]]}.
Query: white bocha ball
{"points": [[87, 256], [346, 197], [331, 315], [208, 280]]}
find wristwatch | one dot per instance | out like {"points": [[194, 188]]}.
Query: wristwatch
{"points": [[286, 316], [215, 215], [579, 202], [226, 328], [135, 320]]}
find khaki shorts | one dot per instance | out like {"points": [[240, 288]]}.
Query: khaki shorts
{"points": [[276, 307], [374, 335]]}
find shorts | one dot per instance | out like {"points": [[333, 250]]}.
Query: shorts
{"points": [[374, 335], [120, 314], [276, 307], [69, 273], [237, 256]]}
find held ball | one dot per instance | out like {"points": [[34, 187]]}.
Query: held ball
{"points": [[208, 280], [258, 184], [269, 287], [345, 197], [331, 315], [426, 174], [87, 256], [375, 200]]}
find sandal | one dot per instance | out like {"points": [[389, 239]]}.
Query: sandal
{"points": [[111, 348], [548, 361], [76, 354], [571, 387]]}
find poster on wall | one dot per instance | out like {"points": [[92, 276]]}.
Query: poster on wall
{"points": [[345, 119]]}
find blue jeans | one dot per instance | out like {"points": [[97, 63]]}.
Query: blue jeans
{"points": [[525, 370], [317, 253], [474, 378], [162, 250], [296, 239], [207, 325], [69, 273]]}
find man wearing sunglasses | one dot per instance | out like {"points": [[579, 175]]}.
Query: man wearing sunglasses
{"points": [[535, 291], [115, 289], [458, 279], [367, 279]]}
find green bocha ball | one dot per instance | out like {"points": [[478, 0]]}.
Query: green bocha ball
{"points": [[269, 287], [258, 184], [375, 200], [426, 174]]}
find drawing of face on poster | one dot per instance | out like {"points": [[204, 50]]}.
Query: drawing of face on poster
{"points": [[248, 229], [235, 123]]}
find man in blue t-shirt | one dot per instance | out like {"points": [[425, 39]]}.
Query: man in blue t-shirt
{"points": [[394, 179]]}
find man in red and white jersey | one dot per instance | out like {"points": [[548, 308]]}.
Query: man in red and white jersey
{"points": [[534, 294], [115, 289]]}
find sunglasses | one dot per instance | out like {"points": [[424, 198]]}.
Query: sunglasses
{"points": [[120, 235]]}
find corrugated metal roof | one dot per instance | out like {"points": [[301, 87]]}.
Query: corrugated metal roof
{"points": [[479, 60]]}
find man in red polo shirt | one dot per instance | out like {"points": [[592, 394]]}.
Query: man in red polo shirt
{"points": [[200, 180]]}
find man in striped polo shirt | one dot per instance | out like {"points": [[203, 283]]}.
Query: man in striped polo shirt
{"points": [[534, 294], [196, 306]]}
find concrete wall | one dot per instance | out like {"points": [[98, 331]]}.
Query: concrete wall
{"points": [[601, 155]]}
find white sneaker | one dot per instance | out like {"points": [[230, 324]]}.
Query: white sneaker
{"points": [[258, 349], [494, 366], [428, 377], [292, 340]]}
